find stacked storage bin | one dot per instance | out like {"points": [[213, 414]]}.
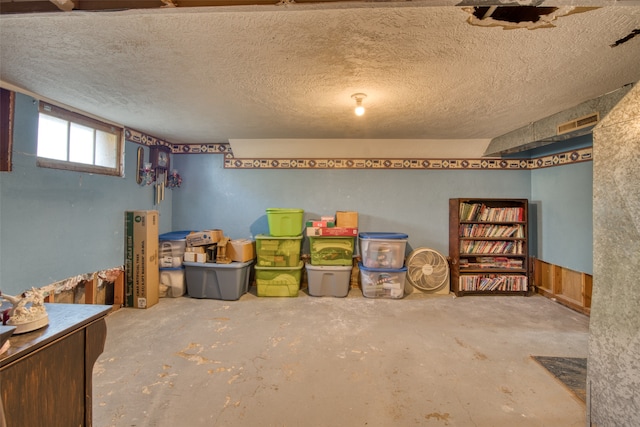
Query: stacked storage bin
{"points": [[171, 247], [382, 270], [226, 273], [218, 281], [331, 262], [278, 266]]}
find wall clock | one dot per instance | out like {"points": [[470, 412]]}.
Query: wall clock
{"points": [[159, 157]]}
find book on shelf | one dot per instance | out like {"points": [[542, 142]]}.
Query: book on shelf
{"points": [[482, 212], [491, 230], [492, 262], [493, 282], [491, 247]]}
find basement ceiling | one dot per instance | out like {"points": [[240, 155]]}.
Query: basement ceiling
{"points": [[442, 78]]}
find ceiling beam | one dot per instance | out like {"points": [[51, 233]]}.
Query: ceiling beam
{"points": [[36, 6]]}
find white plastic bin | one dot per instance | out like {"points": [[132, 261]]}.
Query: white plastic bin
{"points": [[173, 278]]}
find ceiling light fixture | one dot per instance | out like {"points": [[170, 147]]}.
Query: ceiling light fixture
{"points": [[359, 108]]}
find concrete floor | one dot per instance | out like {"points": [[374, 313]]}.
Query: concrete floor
{"points": [[308, 361]]}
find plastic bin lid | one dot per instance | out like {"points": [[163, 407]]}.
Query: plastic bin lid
{"points": [[267, 236], [328, 267], [299, 267], [283, 210], [233, 264], [171, 268], [175, 235], [382, 235], [381, 270]]}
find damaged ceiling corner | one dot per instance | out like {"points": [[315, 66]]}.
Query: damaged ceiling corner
{"points": [[549, 129], [515, 17]]}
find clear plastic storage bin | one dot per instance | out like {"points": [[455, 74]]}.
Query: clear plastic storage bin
{"points": [[382, 283], [171, 247], [173, 279], [383, 250]]}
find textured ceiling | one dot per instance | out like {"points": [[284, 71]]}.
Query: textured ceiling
{"points": [[206, 75]]}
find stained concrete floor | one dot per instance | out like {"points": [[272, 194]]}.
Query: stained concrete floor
{"points": [[309, 361]]}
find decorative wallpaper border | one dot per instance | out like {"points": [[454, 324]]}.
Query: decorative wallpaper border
{"points": [[148, 140], [230, 162], [569, 157]]}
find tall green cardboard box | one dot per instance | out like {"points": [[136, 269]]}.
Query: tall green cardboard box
{"points": [[141, 259]]}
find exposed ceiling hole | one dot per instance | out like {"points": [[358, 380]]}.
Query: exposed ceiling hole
{"points": [[513, 14], [631, 35], [513, 17]]}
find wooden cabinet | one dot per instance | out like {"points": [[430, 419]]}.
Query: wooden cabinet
{"points": [[46, 375], [488, 246]]}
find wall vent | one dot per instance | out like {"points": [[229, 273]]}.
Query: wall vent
{"points": [[579, 123]]}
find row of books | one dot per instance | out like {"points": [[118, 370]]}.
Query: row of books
{"points": [[491, 230], [482, 212], [493, 282], [491, 247], [492, 262]]}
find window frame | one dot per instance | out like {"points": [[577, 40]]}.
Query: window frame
{"points": [[7, 108], [77, 118]]}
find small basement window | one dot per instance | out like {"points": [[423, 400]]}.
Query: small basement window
{"points": [[71, 141]]}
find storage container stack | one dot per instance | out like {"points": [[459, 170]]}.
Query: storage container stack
{"points": [[171, 249], [278, 266], [382, 270], [216, 267], [331, 245]]}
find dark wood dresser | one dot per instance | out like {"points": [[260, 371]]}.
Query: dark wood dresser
{"points": [[46, 375]]}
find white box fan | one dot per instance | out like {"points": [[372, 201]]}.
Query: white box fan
{"points": [[428, 271]]}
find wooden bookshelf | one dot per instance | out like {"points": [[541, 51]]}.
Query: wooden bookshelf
{"points": [[488, 246]]}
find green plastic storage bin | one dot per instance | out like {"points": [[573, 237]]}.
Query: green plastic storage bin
{"points": [[279, 281], [273, 251], [331, 250], [285, 222]]}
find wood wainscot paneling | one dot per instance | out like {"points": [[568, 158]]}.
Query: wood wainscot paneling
{"points": [[566, 286]]}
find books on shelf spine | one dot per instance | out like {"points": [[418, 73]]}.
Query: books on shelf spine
{"points": [[493, 282], [482, 212]]}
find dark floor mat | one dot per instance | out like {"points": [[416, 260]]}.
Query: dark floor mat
{"points": [[571, 371]]}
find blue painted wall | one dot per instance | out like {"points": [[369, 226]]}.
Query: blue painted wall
{"points": [[411, 202], [57, 224], [563, 199]]}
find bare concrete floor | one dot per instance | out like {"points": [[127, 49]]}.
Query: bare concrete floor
{"points": [[307, 361]]}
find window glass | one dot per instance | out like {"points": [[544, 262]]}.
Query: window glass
{"points": [[106, 149], [81, 144], [52, 137]]}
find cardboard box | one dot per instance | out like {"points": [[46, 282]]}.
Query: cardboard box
{"points": [[347, 219], [320, 223], [195, 257], [204, 238], [196, 249], [241, 250], [141, 259], [332, 231]]}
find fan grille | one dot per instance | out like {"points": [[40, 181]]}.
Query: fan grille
{"points": [[427, 269]]}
